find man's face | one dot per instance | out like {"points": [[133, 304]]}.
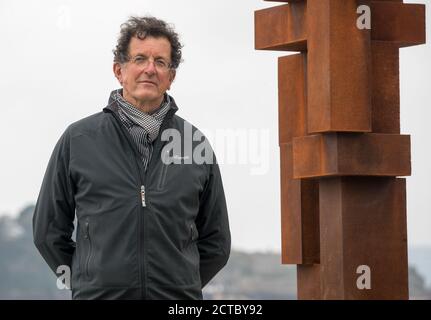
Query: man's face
{"points": [[144, 86]]}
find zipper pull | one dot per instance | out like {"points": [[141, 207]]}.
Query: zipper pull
{"points": [[143, 196]]}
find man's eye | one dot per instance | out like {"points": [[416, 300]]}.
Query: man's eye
{"points": [[161, 63], [139, 59]]}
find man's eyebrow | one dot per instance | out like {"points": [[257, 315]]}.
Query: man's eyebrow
{"points": [[156, 57]]}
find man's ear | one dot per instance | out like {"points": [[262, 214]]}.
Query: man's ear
{"points": [[172, 74], [117, 72]]}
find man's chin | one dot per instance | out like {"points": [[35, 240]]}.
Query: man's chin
{"points": [[145, 95], [151, 97]]}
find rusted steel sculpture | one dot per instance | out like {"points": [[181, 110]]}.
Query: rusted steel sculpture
{"points": [[343, 207]]}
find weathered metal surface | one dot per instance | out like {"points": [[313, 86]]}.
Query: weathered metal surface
{"points": [[284, 27], [308, 278], [339, 58], [342, 207], [281, 28], [299, 214], [299, 199], [351, 154], [363, 223], [292, 104], [400, 23], [385, 87]]}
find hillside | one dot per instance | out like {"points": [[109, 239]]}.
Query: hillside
{"points": [[24, 274]]}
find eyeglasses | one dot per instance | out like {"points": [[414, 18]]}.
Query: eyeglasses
{"points": [[142, 61]]}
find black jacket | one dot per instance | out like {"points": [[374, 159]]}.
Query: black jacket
{"points": [[166, 248]]}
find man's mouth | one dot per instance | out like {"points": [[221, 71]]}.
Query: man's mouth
{"points": [[148, 82]]}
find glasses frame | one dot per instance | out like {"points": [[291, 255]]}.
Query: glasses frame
{"points": [[163, 67]]}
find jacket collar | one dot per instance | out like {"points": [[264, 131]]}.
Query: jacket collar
{"points": [[113, 105]]}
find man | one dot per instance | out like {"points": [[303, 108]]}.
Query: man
{"points": [[151, 222]]}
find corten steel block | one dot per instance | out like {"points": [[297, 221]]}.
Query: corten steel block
{"points": [[299, 199], [292, 108], [403, 24], [339, 56], [354, 210], [281, 28], [385, 87], [350, 154], [308, 279], [363, 222], [344, 87], [284, 27], [299, 214]]}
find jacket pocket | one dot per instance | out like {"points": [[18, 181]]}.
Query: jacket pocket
{"points": [[87, 238], [162, 178]]}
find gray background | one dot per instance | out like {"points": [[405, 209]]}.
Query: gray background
{"points": [[57, 68]]}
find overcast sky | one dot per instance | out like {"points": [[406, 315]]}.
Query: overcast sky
{"points": [[57, 68]]}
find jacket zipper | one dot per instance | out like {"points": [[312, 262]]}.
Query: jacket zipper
{"points": [[142, 203], [87, 236], [143, 198]]}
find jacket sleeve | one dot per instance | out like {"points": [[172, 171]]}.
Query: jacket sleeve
{"points": [[214, 242], [55, 210]]}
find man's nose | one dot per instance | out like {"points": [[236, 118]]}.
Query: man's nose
{"points": [[150, 68]]}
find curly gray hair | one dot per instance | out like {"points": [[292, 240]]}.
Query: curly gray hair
{"points": [[142, 27]]}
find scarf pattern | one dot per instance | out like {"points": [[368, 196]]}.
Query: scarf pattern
{"points": [[143, 127]]}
